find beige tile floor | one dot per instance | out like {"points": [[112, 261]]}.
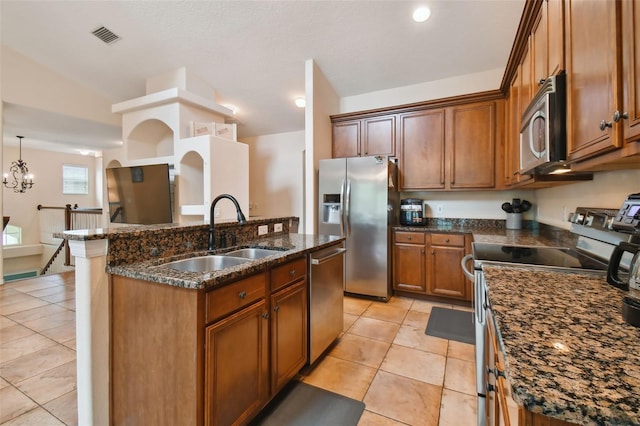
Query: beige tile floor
{"points": [[383, 358]]}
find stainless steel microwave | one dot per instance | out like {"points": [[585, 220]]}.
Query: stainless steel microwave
{"points": [[543, 135]]}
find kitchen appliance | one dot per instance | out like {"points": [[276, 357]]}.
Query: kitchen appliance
{"points": [[326, 287], [412, 212], [628, 217], [633, 280], [595, 245], [358, 200], [543, 143]]}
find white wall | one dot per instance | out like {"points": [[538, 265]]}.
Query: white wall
{"points": [[454, 86], [46, 168], [607, 190], [322, 101], [277, 174]]}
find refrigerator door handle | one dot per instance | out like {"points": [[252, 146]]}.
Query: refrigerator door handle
{"points": [[347, 209], [343, 230]]}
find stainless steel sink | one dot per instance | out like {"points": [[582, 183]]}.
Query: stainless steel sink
{"points": [[206, 263], [252, 253]]}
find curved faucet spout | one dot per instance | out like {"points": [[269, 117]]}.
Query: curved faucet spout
{"points": [[241, 219]]}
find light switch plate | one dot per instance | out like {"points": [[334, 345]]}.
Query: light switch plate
{"points": [[263, 229], [277, 227]]}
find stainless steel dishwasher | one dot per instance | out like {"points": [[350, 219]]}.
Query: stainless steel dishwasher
{"points": [[326, 292]]}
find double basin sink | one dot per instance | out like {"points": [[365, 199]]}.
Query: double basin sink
{"points": [[218, 262]]}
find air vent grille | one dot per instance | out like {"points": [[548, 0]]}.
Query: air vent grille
{"points": [[105, 35]]}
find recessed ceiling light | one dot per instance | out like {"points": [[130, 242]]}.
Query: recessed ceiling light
{"points": [[300, 102], [421, 14]]}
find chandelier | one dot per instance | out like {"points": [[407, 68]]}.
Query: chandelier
{"points": [[22, 180]]}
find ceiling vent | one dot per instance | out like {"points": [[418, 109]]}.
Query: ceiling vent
{"points": [[105, 35]]}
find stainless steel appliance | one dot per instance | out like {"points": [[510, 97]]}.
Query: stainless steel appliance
{"points": [[543, 143], [359, 200], [628, 217], [326, 286], [412, 212], [595, 245]]}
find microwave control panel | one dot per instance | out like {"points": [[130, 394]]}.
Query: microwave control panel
{"points": [[628, 217]]}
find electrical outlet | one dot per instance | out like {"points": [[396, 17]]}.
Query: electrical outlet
{"points": [[263, 229], [277, 227], [439, 209]]}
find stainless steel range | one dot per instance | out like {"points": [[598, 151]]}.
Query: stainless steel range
{"points": [[596, 241]]}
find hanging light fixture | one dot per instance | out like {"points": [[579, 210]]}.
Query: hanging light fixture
{"points": [[22, 179]]}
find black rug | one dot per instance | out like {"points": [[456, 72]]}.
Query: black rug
{"points": [[451, 324], [300, 404]]}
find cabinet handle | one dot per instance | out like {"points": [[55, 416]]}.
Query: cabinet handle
{"points": [[433, 252], [242, 295], [604, 124], [409, 238], [617, 116], [490, 388], [541, 81], [446, 241], [265, 315], [276, 309], [496, 372], [422, 251], [292, 272]]}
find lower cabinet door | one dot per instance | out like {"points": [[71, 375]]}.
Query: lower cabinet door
{"points": [[288, 333], [237, 366], [409, 269], [447, 278]]}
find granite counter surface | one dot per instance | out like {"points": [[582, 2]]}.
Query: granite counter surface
{"points": [[289, 246], [568, 352]]}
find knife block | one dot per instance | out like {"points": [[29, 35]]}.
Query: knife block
{"points": [[514, 220]]}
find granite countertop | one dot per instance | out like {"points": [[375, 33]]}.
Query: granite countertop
{"points": [[568, 352], [289, 246]]}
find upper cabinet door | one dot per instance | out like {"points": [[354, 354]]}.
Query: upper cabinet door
{"points": [[471, 140], [539, 43], [555, 36], [379, 136], [346, 139], [592, 77], [631, 69], [421, 162]]}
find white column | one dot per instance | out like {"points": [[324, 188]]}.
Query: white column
{"points": [[92, 331]]}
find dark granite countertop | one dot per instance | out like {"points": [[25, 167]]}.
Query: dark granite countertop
{"points": [[568, 352], [289, 246]]}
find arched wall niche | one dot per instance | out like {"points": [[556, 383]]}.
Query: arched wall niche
{"points": [[191, 179], [150, 138]]}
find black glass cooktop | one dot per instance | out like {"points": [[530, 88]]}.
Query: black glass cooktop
{"points": [[554, 257]]}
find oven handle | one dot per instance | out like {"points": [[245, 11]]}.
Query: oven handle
{"points": [[465, 260]]}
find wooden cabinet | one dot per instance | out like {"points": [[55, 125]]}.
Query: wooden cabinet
{"points": [[631, 72], [365, 137], [289, 325], [428, 263], [593, 77], [223, 354], [446, 277], [449, 148], [409, 262], [237, 366]]}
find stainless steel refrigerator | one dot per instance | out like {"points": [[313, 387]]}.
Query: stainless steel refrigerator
{"points": [[359, 200]]}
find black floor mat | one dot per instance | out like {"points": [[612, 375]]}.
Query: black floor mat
{"points": [[451, 324], [300, 404]]}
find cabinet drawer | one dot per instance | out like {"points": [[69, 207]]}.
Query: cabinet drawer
{"points": [[223, 301], [448, 240], [288, 273], [410, 237]]}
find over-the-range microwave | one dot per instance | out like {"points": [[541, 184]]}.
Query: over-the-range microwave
{"points": [[543, 134]]}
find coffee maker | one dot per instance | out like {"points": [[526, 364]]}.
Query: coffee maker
{"points": [[412, 212]]}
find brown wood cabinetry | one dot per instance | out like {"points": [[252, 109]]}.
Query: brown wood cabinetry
{"points": [[631, 71], [288, 328], [222, 354], [365, 137], [446, 277], [428, 263], [449, 148], [237, 366], [409, 262]]}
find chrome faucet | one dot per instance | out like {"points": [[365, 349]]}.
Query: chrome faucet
{"points": [[241, 219]]}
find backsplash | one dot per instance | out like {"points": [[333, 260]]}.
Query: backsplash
{"points": [[156, 242]]}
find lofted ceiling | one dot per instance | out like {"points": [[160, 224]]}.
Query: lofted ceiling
{"points": [[252, 52]]}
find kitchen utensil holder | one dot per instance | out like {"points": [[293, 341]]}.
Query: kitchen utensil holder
{"points": [[514, 220]]}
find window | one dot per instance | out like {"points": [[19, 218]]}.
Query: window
{"points": [[12, 235], [75, 179]]}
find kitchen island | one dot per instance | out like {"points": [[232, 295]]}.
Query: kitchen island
{"points": [[569, 355]]}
